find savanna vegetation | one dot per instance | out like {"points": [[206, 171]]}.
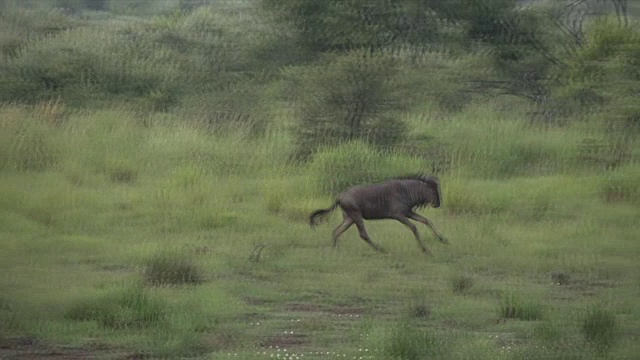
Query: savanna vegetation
{"points": [[159, 160]]}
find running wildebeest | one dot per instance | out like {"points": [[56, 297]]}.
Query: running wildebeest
{"points": [[392, 199]]}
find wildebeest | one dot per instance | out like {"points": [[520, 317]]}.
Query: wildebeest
{"points": [[393, 199]]}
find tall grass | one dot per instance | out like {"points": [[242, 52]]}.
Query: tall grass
{"points": [[336, 169]]}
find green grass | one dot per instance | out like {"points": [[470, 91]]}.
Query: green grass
{"points": [[129, 205]]}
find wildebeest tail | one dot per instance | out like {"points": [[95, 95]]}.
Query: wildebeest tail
{"points": [[321, 213]]}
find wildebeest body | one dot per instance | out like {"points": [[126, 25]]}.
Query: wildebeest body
{"points": [[393, 199]]}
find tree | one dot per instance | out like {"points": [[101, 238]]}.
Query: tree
{"points": [[348, 97], [337, 25]]}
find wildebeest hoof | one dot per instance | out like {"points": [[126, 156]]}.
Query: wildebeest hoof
{"points": [[444, 241]]}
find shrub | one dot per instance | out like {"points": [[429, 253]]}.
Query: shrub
{"points": [[80, 65], [606, 72], [599, 328], [172, 269], [348, 97], [131, 307]]}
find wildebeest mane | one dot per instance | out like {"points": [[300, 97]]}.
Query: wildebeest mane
{"points": [[419, 177]]}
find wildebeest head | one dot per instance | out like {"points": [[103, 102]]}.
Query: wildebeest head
{"points": [[427, 192]]}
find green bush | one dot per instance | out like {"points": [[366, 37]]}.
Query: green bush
{"points": [[132, 307], [335, 169], [79, 65], [605, 72]]}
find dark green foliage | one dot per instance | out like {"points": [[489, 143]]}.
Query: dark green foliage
{"points": [[152, 65], [519, 47], [605, 75], [483, 19], [132, 307], [599, 328], [333, 25], [172, 269], [76, 67], [348, 97]]}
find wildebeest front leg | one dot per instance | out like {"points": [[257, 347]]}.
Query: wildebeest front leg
{"points": [[346, 223], [413, 229], [424, 220]]}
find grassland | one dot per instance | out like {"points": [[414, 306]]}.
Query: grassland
{"points": [[152, 204], [126, 234]]}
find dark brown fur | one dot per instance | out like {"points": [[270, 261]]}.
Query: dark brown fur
{"points": [[393, 199]]}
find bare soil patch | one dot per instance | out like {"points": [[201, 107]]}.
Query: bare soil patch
{"points": [[31, 348], [284, 341]]}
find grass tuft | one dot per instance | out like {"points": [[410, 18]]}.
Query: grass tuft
{"points": [[513, 307], [408, 342], [121, 171], [622, 185], [461, 284], [133, 307], [419, 310], [599, 328], [168, 268]]}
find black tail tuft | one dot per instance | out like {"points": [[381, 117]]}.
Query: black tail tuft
{"points": [[320, 213]]}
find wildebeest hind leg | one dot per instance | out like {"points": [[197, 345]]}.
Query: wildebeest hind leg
{"points": [[340, 229], [414, 230], [357, 218], [426, 221]]}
